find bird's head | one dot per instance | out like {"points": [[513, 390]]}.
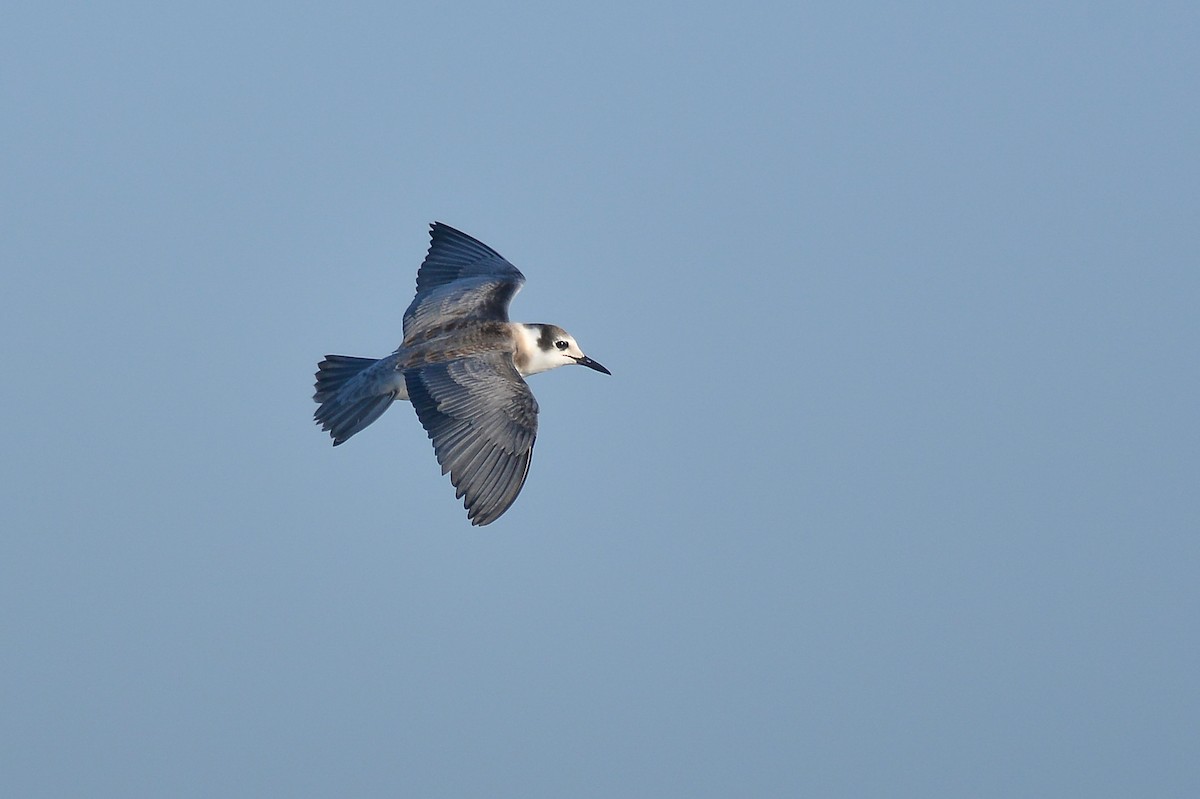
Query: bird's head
{"points": [[544, 347]]}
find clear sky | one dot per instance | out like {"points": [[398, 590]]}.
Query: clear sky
{"points": [[893, 490]]}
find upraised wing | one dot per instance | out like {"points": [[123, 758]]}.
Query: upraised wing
{"points": [[461, 278], [482, 419]]}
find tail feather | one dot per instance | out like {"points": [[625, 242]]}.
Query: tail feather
{"points": [[345, 409], [335, 371]]}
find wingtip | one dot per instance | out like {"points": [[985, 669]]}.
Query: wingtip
{"points": [[436, 227]]}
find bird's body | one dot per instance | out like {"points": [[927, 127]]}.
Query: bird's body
{"points": [[462, 364]]}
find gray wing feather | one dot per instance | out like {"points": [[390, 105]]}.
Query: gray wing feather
{"points": [[482, 419], [461, 278]]}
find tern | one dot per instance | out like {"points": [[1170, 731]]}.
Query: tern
{"points": [[462, 365]]}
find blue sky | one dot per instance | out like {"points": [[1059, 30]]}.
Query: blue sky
{"points": [[891, 492]]}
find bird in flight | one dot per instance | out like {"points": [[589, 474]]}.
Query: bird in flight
{"points": [[462, 365]]}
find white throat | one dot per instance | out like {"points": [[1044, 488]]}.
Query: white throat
{"points": [[530, 358]]}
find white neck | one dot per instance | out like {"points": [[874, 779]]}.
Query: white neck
{"points": [[529, 357]]}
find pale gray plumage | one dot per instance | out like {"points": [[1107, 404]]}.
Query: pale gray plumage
{"points": [[482, 419], [461, 366], [460, 279], [345, 415]]}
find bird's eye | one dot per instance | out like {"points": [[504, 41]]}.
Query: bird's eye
{"points": [[562, 345]]}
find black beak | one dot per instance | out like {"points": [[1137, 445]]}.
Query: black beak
{"points": [[589, 363]]}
